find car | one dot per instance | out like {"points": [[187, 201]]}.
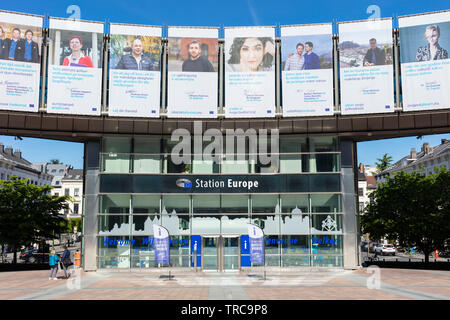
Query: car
{"points": [[385, 249], [372, 247], [364, 245], [33, 256]]}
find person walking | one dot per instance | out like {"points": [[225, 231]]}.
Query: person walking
{"points": [[65, 260], [53, 262]]}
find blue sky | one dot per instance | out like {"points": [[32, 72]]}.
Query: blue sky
{"points": [[222, 13]]}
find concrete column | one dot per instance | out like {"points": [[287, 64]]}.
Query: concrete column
{"points": [[350, 218], [91, 189]]}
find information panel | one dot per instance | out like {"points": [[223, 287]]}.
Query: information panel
{"points": [[75, 67], [249, 72], [366, 68], [425, 64], [20, 61], [193, 72], [134, 71], [307, 64]]}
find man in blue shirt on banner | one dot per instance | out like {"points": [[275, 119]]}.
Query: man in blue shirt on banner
{"points": [[312, 60], [374, 56], [27, 50], [9, 46]]}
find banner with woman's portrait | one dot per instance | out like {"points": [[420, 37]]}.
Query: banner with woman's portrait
{"points": [[20, 61], [134, 71], [250, 72], [192, 72], [307, 70], [366, 67], [75, 67], [425, 65]]}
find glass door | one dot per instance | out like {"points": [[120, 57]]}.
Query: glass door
{"points": [[210, 253], [230, 253], [221, 253]]}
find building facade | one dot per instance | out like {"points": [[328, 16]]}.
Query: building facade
{"points": [[425, 161], [72, 185], [366, 184], [13, 164], [304, 202]]}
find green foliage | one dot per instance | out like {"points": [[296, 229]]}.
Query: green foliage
{"points": [[384, 163], [28, 213], [413, 208]]}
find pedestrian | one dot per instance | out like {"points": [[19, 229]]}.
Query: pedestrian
{"points": [[53, 262], [65, 260]]}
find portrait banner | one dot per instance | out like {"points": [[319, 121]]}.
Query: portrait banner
{"points": [[256, 236], [425, 65], [20, 61], [75, 67], [161, 244], [366, 67], [249, 72], [134, 71], [192, 72], [307, 70]]}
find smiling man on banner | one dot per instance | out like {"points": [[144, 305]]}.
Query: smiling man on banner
{"points": [[256, 236], [161, 244]]}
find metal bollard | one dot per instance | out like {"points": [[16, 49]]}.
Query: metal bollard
{"points": [[195, 259]]}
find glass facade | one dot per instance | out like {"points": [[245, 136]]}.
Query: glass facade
{"points": [[297, 202]]}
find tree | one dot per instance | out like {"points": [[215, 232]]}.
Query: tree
{"points": [[412, 208], [28, 213], [384, 163], [54, 161]]}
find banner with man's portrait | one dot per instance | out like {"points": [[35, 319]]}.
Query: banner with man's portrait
{"points": [[134, 71], [75, 67], [250, 72], [425, 65], [366, 67], [20, 61], [307, 70], [192, 72]]}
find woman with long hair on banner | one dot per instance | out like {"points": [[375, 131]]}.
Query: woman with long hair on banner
{"points": [[432, 51], [77, 58], [251, 54]]}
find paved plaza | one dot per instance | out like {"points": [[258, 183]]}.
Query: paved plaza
{"points": [[361, 284]]}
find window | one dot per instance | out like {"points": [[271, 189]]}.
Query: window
{"points": [[77, 192], [57, 194], [75, 208], [67, 192], [361, 192]]}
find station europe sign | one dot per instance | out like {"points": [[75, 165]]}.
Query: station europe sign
{"points": [[232, 183]]}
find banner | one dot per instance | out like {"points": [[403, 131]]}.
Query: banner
{"points": [[135, 71], [249, 72], [425, 64], [161, 243], [366, 69], [256, 236], [307, 70], [193, 72], [20, 61], [75, 67]]}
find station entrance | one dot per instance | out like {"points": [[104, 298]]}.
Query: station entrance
{"points": [[221, 253]]}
